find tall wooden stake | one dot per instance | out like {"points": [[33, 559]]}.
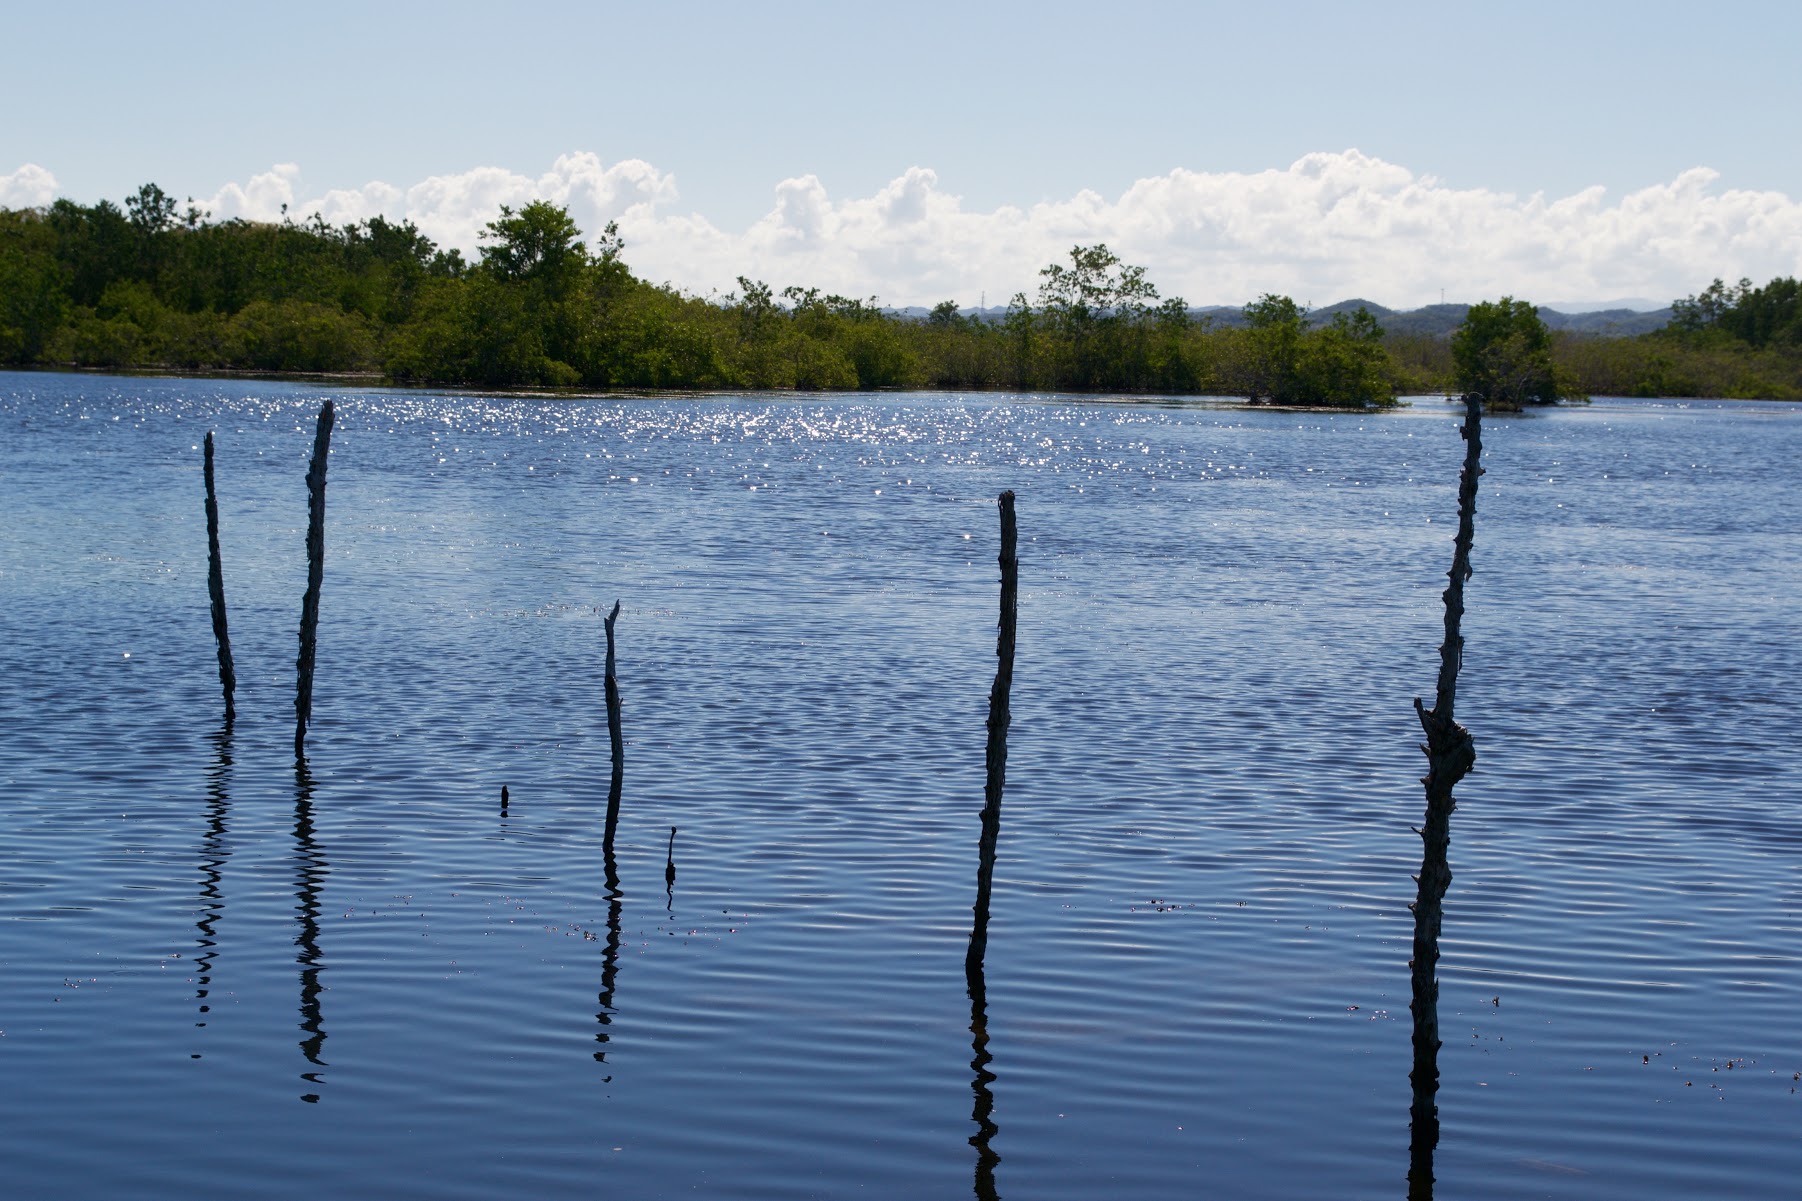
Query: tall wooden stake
{"points": [[983, 1098], [309, 609], [614, 734], [215, 586], [999, 719], [1450, 755]]}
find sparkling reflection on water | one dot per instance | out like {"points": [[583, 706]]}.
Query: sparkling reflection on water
{"points": [[369, 979]]}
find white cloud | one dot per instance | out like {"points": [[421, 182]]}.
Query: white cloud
{"points": [[27, 188], [262, 199], [452, 209], [1327, 227]]}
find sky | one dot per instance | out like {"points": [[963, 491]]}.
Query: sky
{"points": [[1571, 153]]}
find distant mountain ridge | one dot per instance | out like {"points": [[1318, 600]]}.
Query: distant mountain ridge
{"points": [[1439, 320], [1433, 320]]}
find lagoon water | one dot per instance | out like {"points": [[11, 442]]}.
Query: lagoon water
{"points": [[221, 977]]}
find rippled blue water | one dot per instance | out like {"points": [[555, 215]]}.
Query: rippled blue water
{"points": [[220, 979]]}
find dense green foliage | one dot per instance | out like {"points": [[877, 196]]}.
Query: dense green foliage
{"points": [[1503, 353], [1770, 316], [1286, 362], [1743, 342], [155, 285]]}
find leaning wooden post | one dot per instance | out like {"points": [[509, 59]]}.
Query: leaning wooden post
{"points": [[609, 863], [1450, 755], [999, 719], [612, 689], [614, 734], [309, 609], [215, 586]]}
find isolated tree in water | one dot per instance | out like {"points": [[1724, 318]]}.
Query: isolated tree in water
{"points": [[1273, 340], [1503, 353]]}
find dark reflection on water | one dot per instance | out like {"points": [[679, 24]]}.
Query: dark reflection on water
{"points": [[975, 982], [214, 854], [1423, 1124], [669, 874], [982, 1109], [610, 953], [311, 871]]}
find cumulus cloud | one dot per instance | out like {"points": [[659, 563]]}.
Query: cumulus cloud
{"points": [[1327, 227], [452, 209], [265, 198], [26, 188]]}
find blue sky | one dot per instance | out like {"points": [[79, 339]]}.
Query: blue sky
{"points": [[925, 150]]}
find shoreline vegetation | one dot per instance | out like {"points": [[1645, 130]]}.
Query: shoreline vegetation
{"points": [[155, 288]]}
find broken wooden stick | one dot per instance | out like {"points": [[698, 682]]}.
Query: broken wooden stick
{"points": [[309, 608], [215, 586]]}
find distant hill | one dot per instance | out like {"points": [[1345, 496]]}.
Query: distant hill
{"points": [[1638, 304], [1609, 323], [1439, 320], [1433, 321]]}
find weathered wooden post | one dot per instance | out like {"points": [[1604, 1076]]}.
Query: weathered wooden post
{"points": [[1451, 753], [614, 734], [215, 586], [610, 863], [999, 718], [983, 1098], [309, 609], [612, 689]]}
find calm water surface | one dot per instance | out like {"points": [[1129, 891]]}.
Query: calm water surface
{"points": [[221, 977]]}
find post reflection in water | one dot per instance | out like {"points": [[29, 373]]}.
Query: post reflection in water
{"points": [[308, 884], [1423, 1124], [983, 1109], [213, 855], [669, 875], [610, 958]]}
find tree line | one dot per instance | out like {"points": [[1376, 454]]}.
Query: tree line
{"points": [[154, 284]]}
